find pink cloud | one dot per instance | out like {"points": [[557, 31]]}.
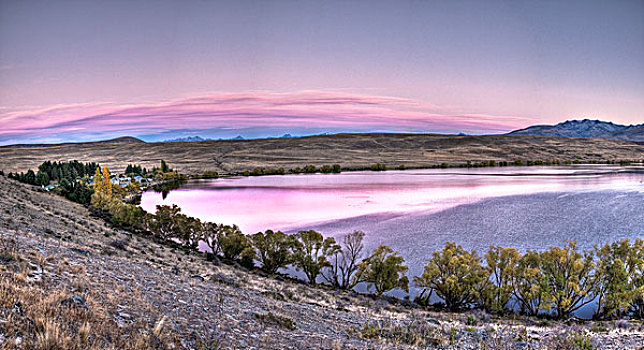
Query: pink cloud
{"points": [[253, 109]]}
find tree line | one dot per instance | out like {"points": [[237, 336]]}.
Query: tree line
{"points": [[71, 178], [556, 282]]}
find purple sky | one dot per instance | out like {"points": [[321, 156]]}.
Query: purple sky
{"points": [[87, 70]]}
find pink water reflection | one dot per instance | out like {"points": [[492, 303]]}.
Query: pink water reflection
{"points": [[283, 202]]}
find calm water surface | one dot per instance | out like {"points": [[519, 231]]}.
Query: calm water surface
{"points": [[290, 201]]}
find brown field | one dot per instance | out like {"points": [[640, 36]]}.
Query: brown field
{"points": [[352, 151]]}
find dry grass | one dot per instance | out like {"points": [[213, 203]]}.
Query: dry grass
{"points": [[34, 314], [350, 150]]}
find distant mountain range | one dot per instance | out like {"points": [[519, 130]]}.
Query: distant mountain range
{"points": [[587, 128], [199, 138]]}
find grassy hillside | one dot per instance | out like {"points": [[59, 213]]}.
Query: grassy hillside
{"points": [[69, 281], [350, 150]]}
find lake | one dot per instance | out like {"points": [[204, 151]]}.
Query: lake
{"points": [[417, 211]]}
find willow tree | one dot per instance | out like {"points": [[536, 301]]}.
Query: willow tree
{"points": [[344, 262], [311, 250], [501, 266], [529, 286], [273, 250], [455, 274], [569, 277], [385, 270], [615, 264]]}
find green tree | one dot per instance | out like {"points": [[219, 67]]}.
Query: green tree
{"points": [[385, 270], [42, 179], [455, 274], [189, 230], [211, 234], [344, 261], [164, 167], [501, 265], [273, 250], [233, 243], [311, 251], [163, 222], [570, 279]]}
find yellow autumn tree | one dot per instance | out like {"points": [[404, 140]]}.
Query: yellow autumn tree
{"points": [[107, 184], [98, 181]]}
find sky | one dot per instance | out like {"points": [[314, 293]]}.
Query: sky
{"points": [[91, 70]]}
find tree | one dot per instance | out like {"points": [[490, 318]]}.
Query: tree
{"points": [[98, 181], [233, 243], [42, 179], [455, 274], [636, 265], [529, 287], [570, 279], [163, 222], [311, 251], [30, 177], [344, 260], [189, 230], [613, 269], [107, 184], [384, 269], [210, 236], [501, 264], [164, 167], [273, 250]]}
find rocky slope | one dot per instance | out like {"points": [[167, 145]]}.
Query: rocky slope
{"points": [[587, 128], [69, 281]]}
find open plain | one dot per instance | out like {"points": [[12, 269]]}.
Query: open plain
{"points": [[351, 151]]}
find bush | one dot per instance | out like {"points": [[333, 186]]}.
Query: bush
{"points": [[378, 167]]}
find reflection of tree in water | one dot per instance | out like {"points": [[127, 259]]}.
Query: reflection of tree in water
{"points": [[166, 187]]}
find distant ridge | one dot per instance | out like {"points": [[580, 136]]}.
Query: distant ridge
{"points": [[188, 139], [587, 128], [118, 140]]}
